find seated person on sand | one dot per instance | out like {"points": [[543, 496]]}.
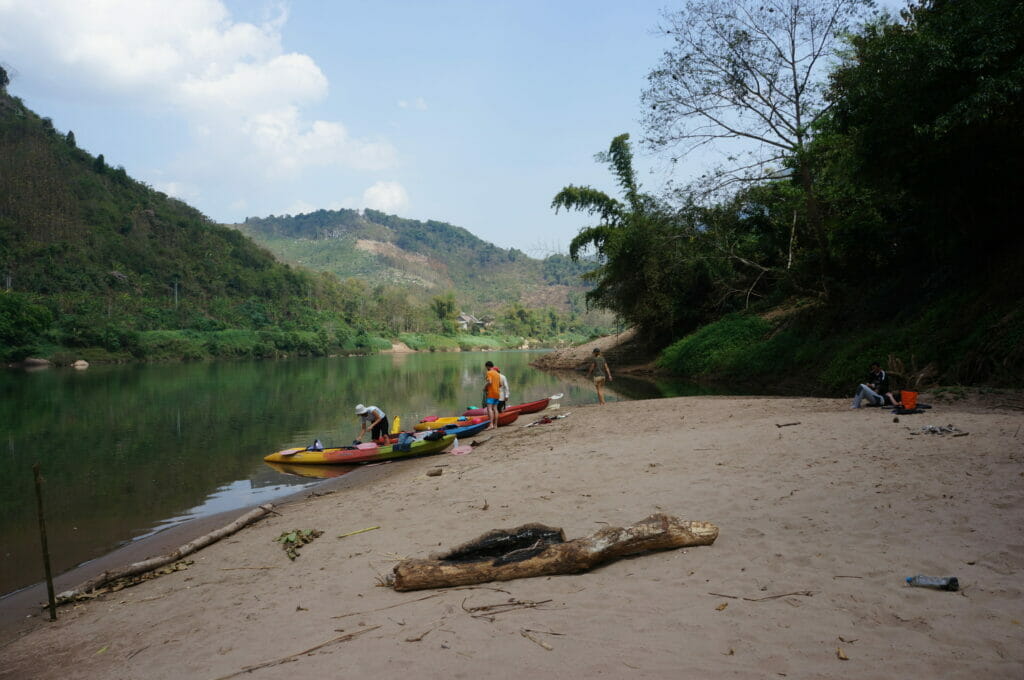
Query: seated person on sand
{"points": [[876, 385], [892, 400]]}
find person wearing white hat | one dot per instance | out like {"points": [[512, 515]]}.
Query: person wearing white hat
{"points": [[373, 419]]}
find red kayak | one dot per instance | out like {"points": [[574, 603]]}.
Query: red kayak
{"points": [[507, 416], [529, 407]]}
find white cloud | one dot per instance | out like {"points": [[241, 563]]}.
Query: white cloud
{"points": [[420, 104], [241, 94], [301, 207], [388, 197], [180, 190]]}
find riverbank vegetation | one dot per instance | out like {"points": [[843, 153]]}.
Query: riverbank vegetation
{"points": [[877, 225]]}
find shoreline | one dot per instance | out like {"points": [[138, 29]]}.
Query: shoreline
{"points": [[823, 511], [21, 609]]}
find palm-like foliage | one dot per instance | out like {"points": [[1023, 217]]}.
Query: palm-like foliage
{"points": [[647, 273]]}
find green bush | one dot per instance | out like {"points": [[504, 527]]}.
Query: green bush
{"points": [[718, 348], [430, 341], [22, 322], [171, 345], [234, 343]]}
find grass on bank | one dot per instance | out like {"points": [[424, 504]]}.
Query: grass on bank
{"points": [[951, 341]]}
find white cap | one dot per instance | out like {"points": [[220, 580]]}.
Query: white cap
{"points": [[360, 410]]}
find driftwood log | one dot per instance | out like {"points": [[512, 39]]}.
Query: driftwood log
{"points": [[537, 550], [156, 562]]}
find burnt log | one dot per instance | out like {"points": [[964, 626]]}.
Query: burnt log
{"points": [[537, 550]]}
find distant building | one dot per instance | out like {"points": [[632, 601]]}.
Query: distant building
{"points": [[468, 322]]}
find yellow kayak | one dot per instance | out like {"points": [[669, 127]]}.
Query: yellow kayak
{"points": [[363, 453], [438, 423]]}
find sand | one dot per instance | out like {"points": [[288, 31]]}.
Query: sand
{"points": [[823, 511]]}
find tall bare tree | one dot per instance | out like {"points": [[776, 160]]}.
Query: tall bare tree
{"points": [[750, 71]]}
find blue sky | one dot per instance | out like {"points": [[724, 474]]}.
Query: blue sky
{"points": [[473, 112], [469, 112]]}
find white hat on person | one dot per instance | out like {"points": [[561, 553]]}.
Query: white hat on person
{"points": [[360, 410]]}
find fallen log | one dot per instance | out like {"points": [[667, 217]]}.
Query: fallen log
{"points": [[537, 550], [157, 562]]}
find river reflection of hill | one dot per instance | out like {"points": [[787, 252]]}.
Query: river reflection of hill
{"points": [[128, 450]]}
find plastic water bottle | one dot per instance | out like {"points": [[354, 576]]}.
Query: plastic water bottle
{"points": [[940, 582]]}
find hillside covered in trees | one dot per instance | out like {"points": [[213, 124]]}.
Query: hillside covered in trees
{"points": [[426, 258], [871, 215], [96, 265]]}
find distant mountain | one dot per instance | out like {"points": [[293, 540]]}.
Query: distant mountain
{"points": [[428, 257]]}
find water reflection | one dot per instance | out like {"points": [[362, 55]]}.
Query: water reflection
{"points": [[129, 450], [312, 471], [238, 494]]}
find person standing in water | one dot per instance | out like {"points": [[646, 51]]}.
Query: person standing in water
{"points": [[599, 365]]}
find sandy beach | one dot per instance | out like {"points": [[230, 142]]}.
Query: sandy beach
{"points": [[822, 510]]}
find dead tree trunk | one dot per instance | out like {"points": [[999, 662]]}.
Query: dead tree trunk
{"points": [[156, 562], [536, 550]]}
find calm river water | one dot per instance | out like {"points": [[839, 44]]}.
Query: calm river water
{"points": [[126, 451]]}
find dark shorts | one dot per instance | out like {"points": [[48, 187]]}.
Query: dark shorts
{"points": [[380, 429]]}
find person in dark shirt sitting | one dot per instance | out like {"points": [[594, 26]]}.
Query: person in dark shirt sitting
{"points": [[873, 388]]}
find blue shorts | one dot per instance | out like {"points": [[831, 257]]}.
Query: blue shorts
{"points": [[491, 402]]}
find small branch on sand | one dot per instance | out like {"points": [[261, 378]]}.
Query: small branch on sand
{"points": [[786, 424], [488, 611], [392, 606], [419, 637], [418, 599], [293, 657], [156, 562], [359, 531], [537, 550], [526, 634], [804, 593]]}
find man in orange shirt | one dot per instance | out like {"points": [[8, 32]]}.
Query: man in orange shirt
{"points": [[492, 394]]}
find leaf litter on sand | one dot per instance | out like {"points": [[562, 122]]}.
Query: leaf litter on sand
{"points": [[292, 540]]}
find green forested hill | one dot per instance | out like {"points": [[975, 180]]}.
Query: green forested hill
{"points": [[90, 257], [427, 257], [96, 264]]}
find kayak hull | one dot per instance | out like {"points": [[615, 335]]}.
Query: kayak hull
{"points": [[529, 407], [508, 416], [438, 423], [466, 430], [365, 453]]}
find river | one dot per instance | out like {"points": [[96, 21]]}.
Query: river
{"points": [[126, 451]]}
